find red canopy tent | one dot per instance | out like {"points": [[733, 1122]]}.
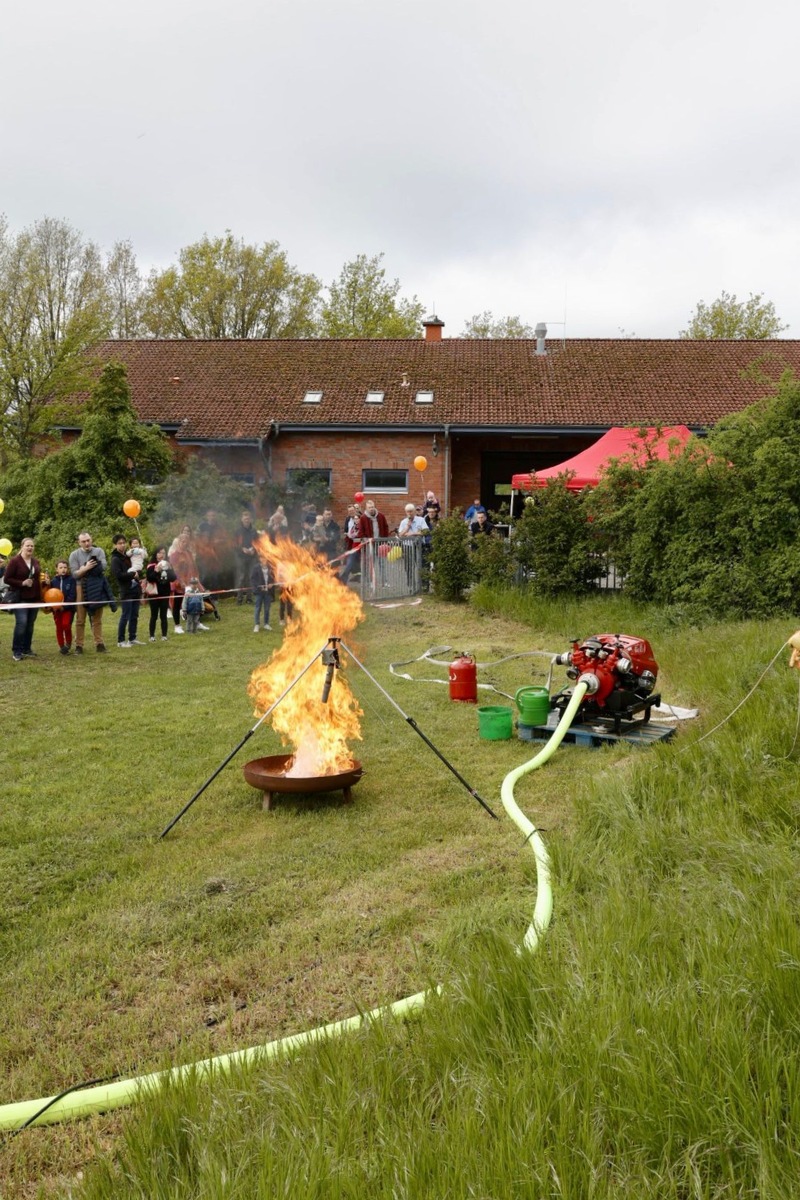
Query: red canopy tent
{"points": [[630, 445]]}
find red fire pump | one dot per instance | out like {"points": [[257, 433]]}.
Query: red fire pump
{"points": [[620, 672]]}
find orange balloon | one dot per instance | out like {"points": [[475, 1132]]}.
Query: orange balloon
{"points": [[420, 462], [131, 508], [54, 596]]}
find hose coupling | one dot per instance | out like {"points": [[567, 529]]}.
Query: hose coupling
{"points": [[591, 681]]}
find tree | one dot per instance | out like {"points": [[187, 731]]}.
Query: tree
{"points": [[729, 318], [86, 483], [194, 488], [484, 325], [125, 289], [223, 288], [362, 303], [53, 307]]}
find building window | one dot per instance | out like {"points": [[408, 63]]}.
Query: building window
{"points": [[384, 479], [375, 397], [312, 398], [242, 477], [298, 477], [423, 398]]}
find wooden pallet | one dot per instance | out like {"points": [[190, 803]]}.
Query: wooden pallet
{"points": [[638, 734]]}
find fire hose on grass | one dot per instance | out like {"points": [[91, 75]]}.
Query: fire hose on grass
{"points": [[84, 1101]]}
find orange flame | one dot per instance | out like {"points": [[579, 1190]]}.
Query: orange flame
{"points": [[322, 608]]}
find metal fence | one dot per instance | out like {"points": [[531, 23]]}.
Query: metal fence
{"points": [[607, 578], [392, 568]]}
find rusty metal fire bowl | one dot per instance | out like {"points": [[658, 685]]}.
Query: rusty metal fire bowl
{"points": [[269, 775]]}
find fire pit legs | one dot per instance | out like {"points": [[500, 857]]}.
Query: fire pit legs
{"points": [[266, 804]]}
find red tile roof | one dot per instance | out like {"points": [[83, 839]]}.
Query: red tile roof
{"points": [[235, 389]]}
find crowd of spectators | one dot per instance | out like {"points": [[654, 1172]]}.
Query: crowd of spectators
{"points": [[181, 584]]}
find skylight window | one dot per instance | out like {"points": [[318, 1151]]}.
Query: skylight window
{"points": [[312, 398], [423, 398], [375, 397]]}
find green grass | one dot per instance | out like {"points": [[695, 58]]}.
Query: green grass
{"points": [[648, 1049]]}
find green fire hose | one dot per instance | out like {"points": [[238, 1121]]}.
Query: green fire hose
{"points": [[84, 1101]]}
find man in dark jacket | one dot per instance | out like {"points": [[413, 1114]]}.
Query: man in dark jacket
{"points": [[327, 535], [130, 593], [481, 524], [246, 555], [87, 565]]}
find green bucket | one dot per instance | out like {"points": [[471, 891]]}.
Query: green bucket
{"points": [[533, 704], [495, 722]]}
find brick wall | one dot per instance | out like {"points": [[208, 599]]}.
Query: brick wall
{"points": [[347, 454]]}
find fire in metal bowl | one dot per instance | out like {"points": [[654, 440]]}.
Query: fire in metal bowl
{"points": [[269, 775]]}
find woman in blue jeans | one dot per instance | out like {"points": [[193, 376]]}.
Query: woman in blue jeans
{"points": [[23, 577]]}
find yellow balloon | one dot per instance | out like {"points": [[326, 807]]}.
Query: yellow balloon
{"points": [[5, 546], [2, 505]]}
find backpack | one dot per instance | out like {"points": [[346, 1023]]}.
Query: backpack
{"points": [[194, 604]]}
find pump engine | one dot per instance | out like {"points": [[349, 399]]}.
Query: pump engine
{"points": [[620, 672]]}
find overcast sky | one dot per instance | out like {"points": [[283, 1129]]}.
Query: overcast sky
{"points": [[618, 161]]}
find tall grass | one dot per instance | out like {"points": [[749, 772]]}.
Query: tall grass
{"points": [[649, 1049]]}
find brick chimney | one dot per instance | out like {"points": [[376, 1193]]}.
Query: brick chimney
{"points": [[433, 328]]}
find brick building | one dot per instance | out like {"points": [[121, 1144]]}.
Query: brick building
{"points": [[360, 411]]}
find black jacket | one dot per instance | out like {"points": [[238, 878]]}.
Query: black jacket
{"points": [[129, 586], [161, 578]]}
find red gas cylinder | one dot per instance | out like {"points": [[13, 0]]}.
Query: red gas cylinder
{"points": [[464, 679]]}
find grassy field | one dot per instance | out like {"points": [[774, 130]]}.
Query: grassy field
{"points": [[648, 1049]]}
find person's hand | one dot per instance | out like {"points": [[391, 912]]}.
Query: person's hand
{"points": [[27, 583]]}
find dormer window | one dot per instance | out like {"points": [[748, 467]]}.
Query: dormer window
{"points": [[423, 398], [375, 397], [312, 398]]}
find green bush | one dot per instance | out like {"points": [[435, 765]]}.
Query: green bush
{"points": [[717, 527], [492, 561], [452, 571], [554, 543]]}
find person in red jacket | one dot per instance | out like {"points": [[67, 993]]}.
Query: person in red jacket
{"points": [[372, 524]]}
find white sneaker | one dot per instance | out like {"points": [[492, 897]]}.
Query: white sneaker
{"points": [[179, 629], [163, 637], [255, 629], [152, 639], [268, 629], [201, 626], [283, 622], [136, 642], [124, 645]]}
